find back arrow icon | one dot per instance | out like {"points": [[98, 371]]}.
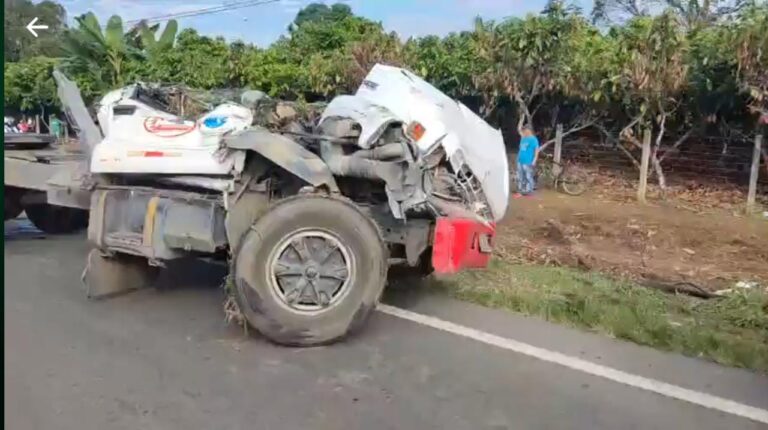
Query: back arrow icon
{"points": [[32, 27]]}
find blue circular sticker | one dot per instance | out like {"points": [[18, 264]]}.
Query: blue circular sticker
{"points": [[214, 121]]}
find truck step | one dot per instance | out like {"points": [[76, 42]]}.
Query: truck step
{"points": [[124, 239]]}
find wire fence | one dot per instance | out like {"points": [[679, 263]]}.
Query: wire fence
{"points": [[708, 171]]}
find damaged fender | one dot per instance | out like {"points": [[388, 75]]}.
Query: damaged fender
{"points": [[285, 153]]}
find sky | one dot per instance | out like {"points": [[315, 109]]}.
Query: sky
{"points": [[263, 24]]}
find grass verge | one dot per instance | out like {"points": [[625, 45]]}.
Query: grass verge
{"points": [[731, 331]]}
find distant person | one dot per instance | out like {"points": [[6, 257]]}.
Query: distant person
{"points": [[56, 127], [526, 162], [23, 126]]}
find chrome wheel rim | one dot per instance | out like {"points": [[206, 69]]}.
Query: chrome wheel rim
{"points": [[310, 271]]}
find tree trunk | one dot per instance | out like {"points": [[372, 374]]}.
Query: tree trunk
{"points": [[654, 155], [524, 113], [521, 119], [754, 173], [642, 186], [659, 171], [765, 160]]}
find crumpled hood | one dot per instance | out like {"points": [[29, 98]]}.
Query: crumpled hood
{"points": [[466, 138]]}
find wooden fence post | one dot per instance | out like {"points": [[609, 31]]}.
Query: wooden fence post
{"points": [[644, 161], [754, 172], [558, 149]]}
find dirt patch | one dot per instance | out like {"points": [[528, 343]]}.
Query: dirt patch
{"points": [[712, 250], [700, 195]]}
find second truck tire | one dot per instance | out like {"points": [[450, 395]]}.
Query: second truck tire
{"points": [[310, 271], [56, 219], [12, 202]]}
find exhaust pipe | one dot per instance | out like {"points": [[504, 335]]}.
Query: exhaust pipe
{"points": [[363, 163]]}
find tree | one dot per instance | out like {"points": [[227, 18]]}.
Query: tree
{"points": [[322, 55], [705, 12], [195, 61], [111, 57], [749, 40], [692, 12], [330, 35], [650, 74], [237, 64], [104, 55], [154, 45], [29, 86], [317, 12], [617, 11], [449, 63], [713, 95], [377, 48], [276, 71], [527, 61], [19, 42]]}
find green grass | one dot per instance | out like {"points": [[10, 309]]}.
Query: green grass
{"points": [[732, 330]]}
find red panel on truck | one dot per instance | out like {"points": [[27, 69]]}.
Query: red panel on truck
{"points": [[461, 243]]}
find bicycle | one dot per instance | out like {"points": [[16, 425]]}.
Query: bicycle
{"points": [[559, 177]]}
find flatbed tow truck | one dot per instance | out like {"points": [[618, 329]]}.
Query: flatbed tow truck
{"points": [[33, 165]]}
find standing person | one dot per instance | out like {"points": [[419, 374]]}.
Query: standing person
{"points": [[23, 126], [56, 127], [526, 162]]}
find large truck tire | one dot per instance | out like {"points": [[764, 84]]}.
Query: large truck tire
{"points": [[310, 271], [12, 201], [56, 219]]}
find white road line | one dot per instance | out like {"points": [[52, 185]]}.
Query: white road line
{"points": [[669, 390]]}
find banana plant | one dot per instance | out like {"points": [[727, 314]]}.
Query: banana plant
{"points": [[108, 55], [152, 44], [102, 54]]}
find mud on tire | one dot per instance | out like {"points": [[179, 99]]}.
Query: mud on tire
{"points": [[310, 271]]}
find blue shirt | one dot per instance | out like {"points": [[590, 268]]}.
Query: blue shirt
{"points": [[528, 147]]}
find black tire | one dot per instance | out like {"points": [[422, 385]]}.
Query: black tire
{"points": [[256, 285], [56, 219], [12, 202]]}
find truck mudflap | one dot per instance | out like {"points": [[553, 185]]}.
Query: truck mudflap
{"points": [[461, 243]]}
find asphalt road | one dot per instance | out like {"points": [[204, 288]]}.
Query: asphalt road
{"points": [[165, 359]]}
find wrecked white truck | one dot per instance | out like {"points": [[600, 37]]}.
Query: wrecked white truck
{"points": [[309, 219]]}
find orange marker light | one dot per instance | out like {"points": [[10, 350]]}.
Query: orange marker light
{"points": [[415, 131]]}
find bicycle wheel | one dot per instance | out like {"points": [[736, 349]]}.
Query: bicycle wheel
{"points": [[573, 183], [543, 176]]}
